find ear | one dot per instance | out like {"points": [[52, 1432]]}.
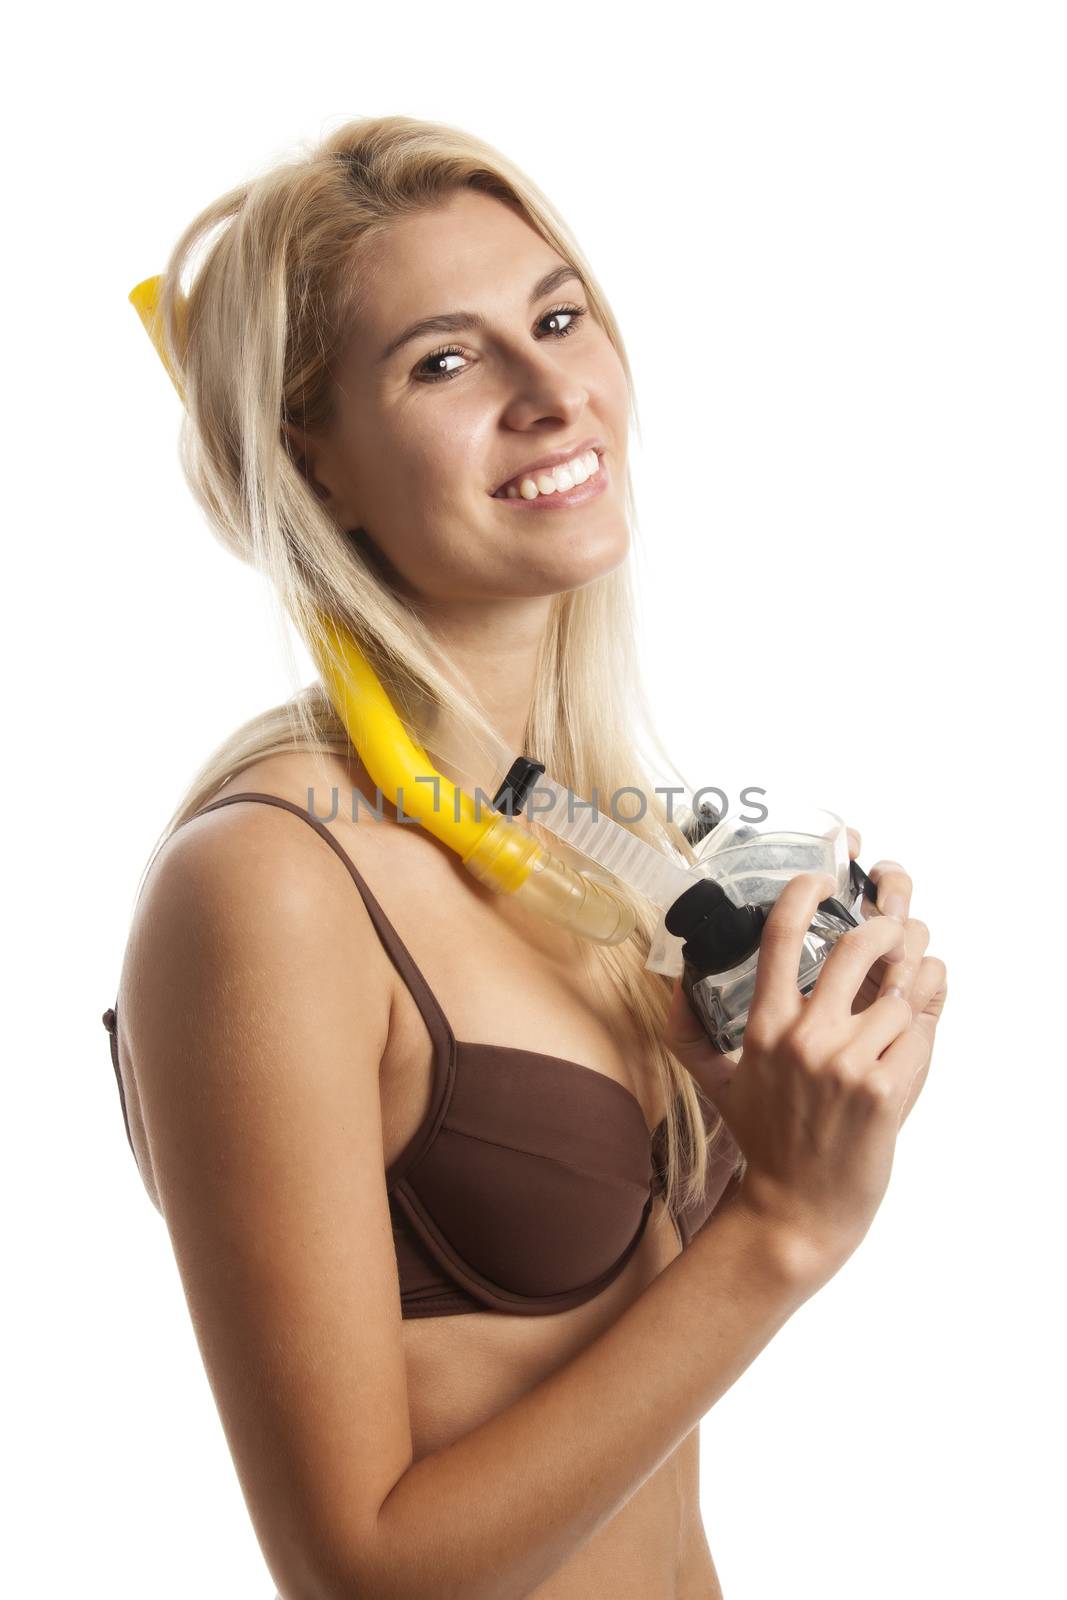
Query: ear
{"points": [[298, 444], [306, 455]]}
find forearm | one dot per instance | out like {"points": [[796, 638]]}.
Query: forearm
{"points": [[497, 1512]]}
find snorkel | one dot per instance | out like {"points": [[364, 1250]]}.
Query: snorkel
{"points": [[501, 855]]}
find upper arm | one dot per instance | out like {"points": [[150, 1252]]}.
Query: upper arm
{"points": [[257, 1011]]}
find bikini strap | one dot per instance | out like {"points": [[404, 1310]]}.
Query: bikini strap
{"points": [[437, 1023]]}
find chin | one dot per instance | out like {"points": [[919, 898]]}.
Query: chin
{"points": [[580, 565], [597, 557]]}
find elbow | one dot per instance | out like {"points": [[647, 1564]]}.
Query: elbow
{"points": [[399, 1556], [394, 1566]]}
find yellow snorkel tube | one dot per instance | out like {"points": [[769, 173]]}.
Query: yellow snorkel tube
{"points": [[500, 854]]}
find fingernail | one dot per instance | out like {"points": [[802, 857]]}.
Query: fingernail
{"points": [[895, 906]]}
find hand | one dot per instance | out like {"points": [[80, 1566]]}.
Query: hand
{"points": [[818, 1097], [923, 982], [687, 1037]]}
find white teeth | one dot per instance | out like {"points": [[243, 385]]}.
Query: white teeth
{"points": [[560, 479]]}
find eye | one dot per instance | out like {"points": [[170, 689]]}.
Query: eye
{"points": [[575, 313], [565, 318]]}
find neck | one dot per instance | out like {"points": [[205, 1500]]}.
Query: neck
{"points": [[496, 648]]}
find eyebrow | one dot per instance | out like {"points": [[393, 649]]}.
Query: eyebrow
{"points": [[458, 321]]}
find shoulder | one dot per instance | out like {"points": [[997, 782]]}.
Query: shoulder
{"points": [[255, 847], [251, 856], [241, 904]]}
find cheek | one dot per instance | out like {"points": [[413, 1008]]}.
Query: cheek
{"points": [[429, 518], [431, 465]]}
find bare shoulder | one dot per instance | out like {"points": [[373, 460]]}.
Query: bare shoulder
{"points": [[256, 998], [249, 894], [248, 888]]}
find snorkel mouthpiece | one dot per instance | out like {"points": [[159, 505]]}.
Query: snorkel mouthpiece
{"points": [[494, 849]]}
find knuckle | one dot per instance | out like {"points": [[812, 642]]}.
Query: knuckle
{"points": [[877, 1090], [759, 1035], [778, 929], [888, 868], [843, 1067], [802, 1045], [887, 932], [876, 933], [934, 967], [919, 931]]}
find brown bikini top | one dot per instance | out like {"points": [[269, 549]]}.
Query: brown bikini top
{"points": [[531, 1180]]}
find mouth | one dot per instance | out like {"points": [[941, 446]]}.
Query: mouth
{"points": [[558, 481]]}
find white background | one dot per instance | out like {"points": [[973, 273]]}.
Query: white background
{"points": [[834, 238]]}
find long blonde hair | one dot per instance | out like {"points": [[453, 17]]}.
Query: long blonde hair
{"points": [[253, 340]]}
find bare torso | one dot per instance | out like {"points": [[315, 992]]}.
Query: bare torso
{"points": [[463, 1370]]}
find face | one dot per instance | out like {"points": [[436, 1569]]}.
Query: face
{"points": [[428, 428]]}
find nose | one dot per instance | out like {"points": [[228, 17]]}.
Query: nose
{"points": [[541, 385]]}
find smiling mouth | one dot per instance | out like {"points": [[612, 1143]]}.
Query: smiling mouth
{"points": [[551, 483], [560, 499]]}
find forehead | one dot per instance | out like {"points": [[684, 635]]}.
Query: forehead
{"points": [[468, 252]]}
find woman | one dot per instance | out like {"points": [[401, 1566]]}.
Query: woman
{"points": [[470, 1357]]}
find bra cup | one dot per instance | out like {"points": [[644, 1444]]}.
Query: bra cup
{"points": [[461, 1284], [545, 1106], [530, 1225]]}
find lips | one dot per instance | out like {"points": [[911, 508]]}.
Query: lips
{"points": [[562, 500], [555, 458]]}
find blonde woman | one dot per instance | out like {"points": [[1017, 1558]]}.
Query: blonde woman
{"points": [[467, 1242]]}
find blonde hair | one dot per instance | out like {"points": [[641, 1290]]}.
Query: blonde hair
{"points": [[254, 341]]}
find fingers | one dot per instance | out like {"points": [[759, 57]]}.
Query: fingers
{"points": [[882, 1024], [894, 888], [848, 964], [929, 988], [854, 843], [901, 974], [904, 1066], [776, 999], [902, 1069]]}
